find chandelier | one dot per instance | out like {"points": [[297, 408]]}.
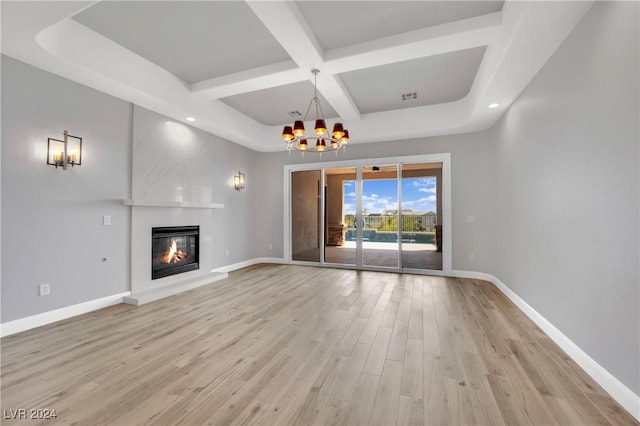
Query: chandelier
{"points": [[295, 138]]}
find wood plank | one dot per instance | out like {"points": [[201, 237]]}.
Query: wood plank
{"points": [[361, 407], [385, 407], [410, 411], [378, 352], [400, 333], [412, 372], [288, 344]]}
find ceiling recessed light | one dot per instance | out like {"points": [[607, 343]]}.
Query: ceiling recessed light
{"points": [[494, 105], [190, 119]]}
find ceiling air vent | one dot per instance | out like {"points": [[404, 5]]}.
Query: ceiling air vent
{"points": [[409, 96], [294, 113]]}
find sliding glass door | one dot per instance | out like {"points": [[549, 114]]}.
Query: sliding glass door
{"points": [[340, 213], [383, 215], [361, 216], [306, 216], [421, 216], [379, 212]]}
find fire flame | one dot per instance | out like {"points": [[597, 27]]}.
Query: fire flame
{"points": [[173, 255]]}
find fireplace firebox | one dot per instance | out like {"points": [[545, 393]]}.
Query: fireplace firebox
{"points": [[174, 250]]}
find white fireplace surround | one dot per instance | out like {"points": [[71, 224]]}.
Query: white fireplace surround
{"points": [[172, 185], [143, 288]]}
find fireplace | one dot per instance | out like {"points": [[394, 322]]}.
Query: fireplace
{"points": [[174, 250]]}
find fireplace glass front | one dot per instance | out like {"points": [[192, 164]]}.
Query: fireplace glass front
{"points": [[174, 250]]}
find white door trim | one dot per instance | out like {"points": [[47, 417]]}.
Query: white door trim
{"points": [[444, 158]]}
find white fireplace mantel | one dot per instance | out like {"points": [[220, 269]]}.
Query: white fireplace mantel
{"points": [[170, 204]]}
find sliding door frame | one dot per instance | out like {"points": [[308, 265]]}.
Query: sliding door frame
{"points": [[444, 158]]}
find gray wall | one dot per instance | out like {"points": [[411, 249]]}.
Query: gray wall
{"points": [[567, 190], [52, 228], [472, 180]]}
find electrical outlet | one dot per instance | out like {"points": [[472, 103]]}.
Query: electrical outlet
{"points": [[227, 252], [44, 289], [270, 246], [106, 220], [472, 257]]}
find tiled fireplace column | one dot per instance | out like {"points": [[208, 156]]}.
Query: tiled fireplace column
{"points": [[174, 183], [148, 214]]}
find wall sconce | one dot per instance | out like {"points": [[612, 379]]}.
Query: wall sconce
{"points": [[238, 181], [64, 152]]}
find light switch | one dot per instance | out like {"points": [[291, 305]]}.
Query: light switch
{"points": [[106, 220]]}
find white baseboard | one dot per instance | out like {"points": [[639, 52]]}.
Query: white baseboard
{"points": [[27, 323], [250, 262], [618, 391], [38, 320]]}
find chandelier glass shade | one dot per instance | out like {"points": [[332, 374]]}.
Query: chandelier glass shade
{"points": [[321, 141]]}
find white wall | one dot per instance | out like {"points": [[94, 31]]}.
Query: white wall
{"points": [[52, 228], [567, 190]]}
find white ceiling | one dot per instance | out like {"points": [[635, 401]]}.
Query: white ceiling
{"points": [[241, 67]]}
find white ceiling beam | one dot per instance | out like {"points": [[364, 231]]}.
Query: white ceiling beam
{"points": [[287, 25], [463, 34], [265, 77], [41, 35], [454, 36], [511, 62], [285, 22], [338, 96], [106, 66]]}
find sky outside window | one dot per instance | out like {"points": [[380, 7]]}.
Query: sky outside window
{"points": [[418, 194]]}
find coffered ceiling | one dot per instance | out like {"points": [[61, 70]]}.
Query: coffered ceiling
{"points": [[242, 68]]}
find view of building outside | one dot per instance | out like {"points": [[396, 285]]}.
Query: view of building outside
{"points": [[380, 208]]}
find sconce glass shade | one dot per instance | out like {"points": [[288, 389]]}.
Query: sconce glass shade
{"points": [[61, 153], [239, 181]]}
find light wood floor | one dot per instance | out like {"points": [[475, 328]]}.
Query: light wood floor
{"points": [[278, 344]]}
